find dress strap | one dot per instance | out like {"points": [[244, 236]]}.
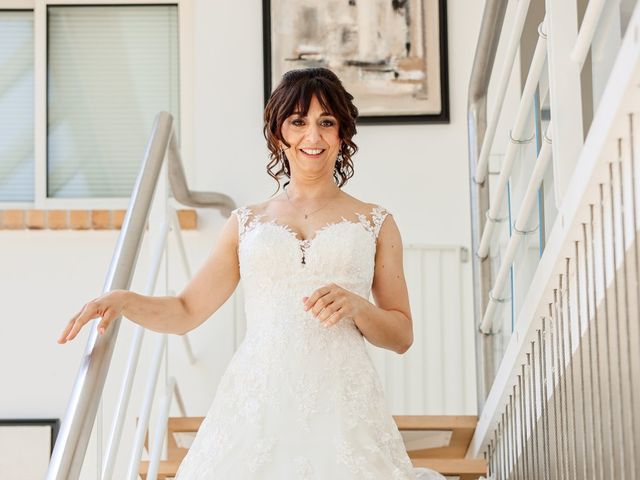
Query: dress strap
{"points": [[378, 214], [243, 214]]}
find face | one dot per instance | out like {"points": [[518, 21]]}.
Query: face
{"points": [[314, 140]]}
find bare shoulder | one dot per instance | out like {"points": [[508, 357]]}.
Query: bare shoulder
{"points": [[355, 204], [268, 206]]}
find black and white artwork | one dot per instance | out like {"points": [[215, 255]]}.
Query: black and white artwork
{"points": [[390, 54]]}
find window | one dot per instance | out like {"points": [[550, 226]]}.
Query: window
{"points": [[16, 106], [108, 70]]}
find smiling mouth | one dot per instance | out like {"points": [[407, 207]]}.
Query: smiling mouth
{"points": [[312, 152]]}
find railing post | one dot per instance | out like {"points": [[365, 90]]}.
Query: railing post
{"points": [[486, 47], [561, 27]]}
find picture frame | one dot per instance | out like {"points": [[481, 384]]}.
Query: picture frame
{"points": [[392, 82], [26, 446]]}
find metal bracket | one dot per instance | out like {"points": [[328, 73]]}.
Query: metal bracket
{"points": [[524, 232], [521, 141], [498, 300], [492, 219]]}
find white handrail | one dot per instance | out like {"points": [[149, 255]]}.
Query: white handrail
{"points": [[505, 75], [587, 31], [145, 410], [158, 438], [520, 226], [524, 107]]}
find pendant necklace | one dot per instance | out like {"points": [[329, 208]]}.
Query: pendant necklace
{"points": [[305, 214]]}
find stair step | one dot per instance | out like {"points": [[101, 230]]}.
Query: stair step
{"points": [[451, 434], [167, 469], [439, 442], [465, 468]]}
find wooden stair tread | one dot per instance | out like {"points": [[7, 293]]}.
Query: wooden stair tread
{"points": [[461, 427], [166, 468], [404, 422], [448, 460], [435, 422], [470, 468], [453, 466]]}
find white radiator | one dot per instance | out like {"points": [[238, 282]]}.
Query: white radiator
{"points": [[436, 376]]}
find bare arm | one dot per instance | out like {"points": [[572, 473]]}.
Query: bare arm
{"points": [[388, 324], [207, 291], [212, 285], [216, 280]]}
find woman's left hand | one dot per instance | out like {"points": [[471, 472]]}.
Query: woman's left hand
{"points": [[332, 303]]}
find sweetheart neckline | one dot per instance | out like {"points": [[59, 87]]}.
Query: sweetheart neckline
{"points": [[362, 220], [308, 241]]}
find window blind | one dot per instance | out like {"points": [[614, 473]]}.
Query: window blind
{"points": [[110, 70], [16, 106]]}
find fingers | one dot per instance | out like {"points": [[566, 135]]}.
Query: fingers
{"points": [[311, 301], [63, 336], [333, 318], [107, 318], [65, 333], [326, 304], [89, 312]]}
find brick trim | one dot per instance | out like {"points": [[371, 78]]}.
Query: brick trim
{"points": [[78, 219]]}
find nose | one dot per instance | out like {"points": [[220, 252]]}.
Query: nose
{"points": [[313, 133]]}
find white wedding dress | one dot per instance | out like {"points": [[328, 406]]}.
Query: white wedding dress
{"points": [[300, 401]]}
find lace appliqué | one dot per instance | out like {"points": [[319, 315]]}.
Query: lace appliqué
{"points": [[378, 214], [305, 390], [303, 468], [262, 454]]}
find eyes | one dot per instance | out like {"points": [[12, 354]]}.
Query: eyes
{"points": [[298, 122]]}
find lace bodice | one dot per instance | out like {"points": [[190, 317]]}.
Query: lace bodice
{"points": [[278, 268]]}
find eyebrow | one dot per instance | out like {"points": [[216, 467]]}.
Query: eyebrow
{"points": [[323, 114]]}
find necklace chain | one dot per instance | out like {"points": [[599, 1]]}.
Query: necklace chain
{"points": [[305, 213]]}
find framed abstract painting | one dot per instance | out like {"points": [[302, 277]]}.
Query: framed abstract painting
{"points": [[390, 54]]}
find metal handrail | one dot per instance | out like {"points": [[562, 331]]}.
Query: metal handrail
{"points": [[515, 140], [191, 198], [75, 430], [505, 75], [490, 28], [519, 227]]}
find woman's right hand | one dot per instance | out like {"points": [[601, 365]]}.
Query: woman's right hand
{"points": [[108, 306]]}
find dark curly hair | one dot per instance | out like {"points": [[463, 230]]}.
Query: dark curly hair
{"points": [[294, 93]]}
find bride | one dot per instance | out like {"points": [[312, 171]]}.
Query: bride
{"points": [[300, 398]]}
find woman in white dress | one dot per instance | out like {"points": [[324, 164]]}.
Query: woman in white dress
{"points": [[300, 398]]}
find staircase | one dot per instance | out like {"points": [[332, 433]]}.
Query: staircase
{"points": [[439, 442]]}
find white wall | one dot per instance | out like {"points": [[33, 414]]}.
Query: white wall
{"points": [[419, 172]]}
